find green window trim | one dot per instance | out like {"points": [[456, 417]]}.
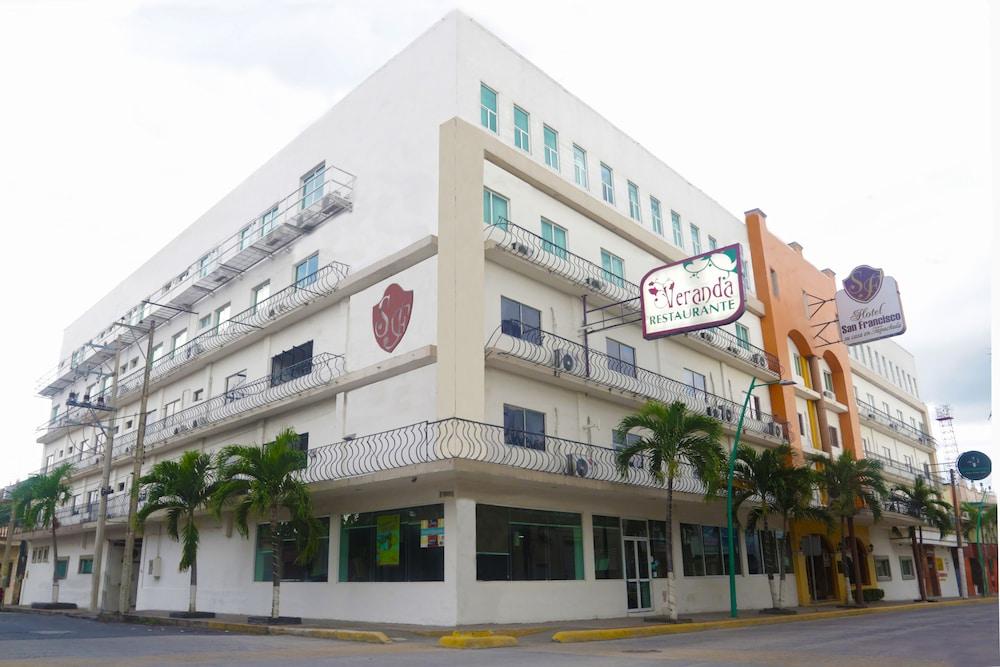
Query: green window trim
{"points": [[675, 222], [488, 107], [551, 140], [496, 209], [554, 238], [415, 560], [522, 129], [518, 544], [657, 215], [315, 571], [614, 268], [62, 567]]}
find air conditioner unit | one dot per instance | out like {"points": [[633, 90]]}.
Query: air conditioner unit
{"points": [[773, 429], [578, 466], [194, 423], [714, 412], [707, 335], [894, 426], [728, 414], [562, 360], [829, 394], [871, 415], [733, 350], [594, 283], [521, 249]]}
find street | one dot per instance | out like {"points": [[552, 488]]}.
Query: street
{"points": [[962, 635]]}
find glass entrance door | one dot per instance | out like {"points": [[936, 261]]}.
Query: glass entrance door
{"points": [[636, 553]]}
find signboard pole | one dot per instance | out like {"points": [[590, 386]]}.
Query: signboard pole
{"points": [[963, 586], [979, 545]]}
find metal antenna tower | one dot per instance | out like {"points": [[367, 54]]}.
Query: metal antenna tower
{"points": [[949, 451]]}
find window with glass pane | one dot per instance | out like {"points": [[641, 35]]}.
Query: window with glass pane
{"points": [[634, 211], [520, 321], [246, 237], [488, 107], [883, 570], [260, 294], [906, 570], [314, 570], [580, 167], [62, 567], [554, 239], [622, 439], [515, 544], [222, 316], [607, 547], [415, 550], [711, 544], [312, 185], [696, 381], [86, 565], [522, 137], [551, 138], [712, 243], [675, 222], [291, 364], [495, 209], [205, 265], [178, 341], [622, 357], [607, 184], [614, 268], [828, 381], [695, 239], [692, 554], [657, 216], [523, 427], [743, 335], [305, 271], [658, 548]]}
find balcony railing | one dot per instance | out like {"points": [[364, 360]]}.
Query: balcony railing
{"points": [[561, 355], [455, 438], [731, 343], [901, 468], [871, 412], [900, 505]]}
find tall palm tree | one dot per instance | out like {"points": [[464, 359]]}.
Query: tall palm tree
{"points": [[776, 487], [182, 487], [45, 492], [852, 485], [263, 481], [989, 535], [669, 436], [926, 502]]}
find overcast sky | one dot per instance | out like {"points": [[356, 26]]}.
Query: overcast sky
{"points": [[861, 128]]}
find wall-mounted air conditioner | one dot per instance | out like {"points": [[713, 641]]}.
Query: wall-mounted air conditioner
{"points": [[578, 466], [594, 283], [522, 249], [562, 360], [829, 394]]}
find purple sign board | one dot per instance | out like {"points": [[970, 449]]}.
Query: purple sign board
{"points": [[868, 308]]}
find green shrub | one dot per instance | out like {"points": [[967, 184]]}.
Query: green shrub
{"points": [[872, 594]]}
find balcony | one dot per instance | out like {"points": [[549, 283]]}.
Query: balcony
{"points": [[893, 426], [900, 505], [559, 356], [901, 470], [296, 214], [758, 361]]}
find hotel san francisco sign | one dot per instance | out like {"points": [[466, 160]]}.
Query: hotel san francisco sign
{"points": [[695, 293], [868, 308]]}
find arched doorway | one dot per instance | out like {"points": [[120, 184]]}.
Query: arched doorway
{"points": [[819, 567]]}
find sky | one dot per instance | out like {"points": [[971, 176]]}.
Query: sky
{"points": [[862, 129]]}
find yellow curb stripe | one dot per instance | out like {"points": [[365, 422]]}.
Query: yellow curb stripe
{"points": [[368, 636], [607, 634], [477, 641]]}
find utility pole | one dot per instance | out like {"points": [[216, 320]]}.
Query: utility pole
{"points": [[102, 503], [133, 499], [963, 590]]}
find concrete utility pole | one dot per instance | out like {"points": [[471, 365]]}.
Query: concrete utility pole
{"points": [[102, 503], [133, 499], [962, 587]]}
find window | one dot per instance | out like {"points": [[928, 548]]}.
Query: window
{"points": [[205, 266], [797, 363], [675, 221], [178, 341], [866, 445], [607, 184], [908, 460], [246, 237], [634, 211], [620, 440], [495, 209], [157, 353], [314, 570], [551, 139], [834, 437], [522, 138], [527, 545], [520, 321], [267, 220], [762, 552], [54, 413], [205, 322], [887, 453], [260, 294], [305, 271], [607, 547], [906, 568], [712, 243], [705, 550], [622, 357], [871, 401], [657, 215], [523, 427], [197, 395], [488, 107], [40, 555], [883, 570], [614, 268], [555, 239], [85, 565], [312, 185], [828, 381], [695, 239], [62, 567], [393, 545], [291, 364], [885, 408], [580, 167], [233, 386], [697, 383], [802, 425], [170, 408], [743, 336], [221, 317], [774, 283]]}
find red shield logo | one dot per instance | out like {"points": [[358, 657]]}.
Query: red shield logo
{"points": [[391, 316]]}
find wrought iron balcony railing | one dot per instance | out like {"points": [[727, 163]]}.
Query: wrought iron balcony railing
{"points": [[561, 355], [456, 438], [902, 469], [900, 505], [729, 342], [869, 411]]}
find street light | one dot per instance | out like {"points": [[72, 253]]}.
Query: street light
{"points": [[733, 611]]}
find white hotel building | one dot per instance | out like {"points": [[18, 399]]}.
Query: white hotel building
{"points": [[509, 208]]}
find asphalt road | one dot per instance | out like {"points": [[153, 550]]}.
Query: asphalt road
{"points": [[965, 636]]}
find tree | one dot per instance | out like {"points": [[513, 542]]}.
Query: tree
{"points": [[926, 502], [44, 493], [182, 488], [12, 513], [852, 485], [670, 436], [263, 481], [989, 535], [776, 487]]}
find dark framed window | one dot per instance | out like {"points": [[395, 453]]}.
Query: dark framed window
{"points": [[234, 386], [705, 550], [520, 321], [62, 567], [622, 357], [291, 364], [607, 547], [834, 437], [523, 427], [314, 570], [86, 565], [514, 544], [762, 552], [658, 549], [393, 545]]}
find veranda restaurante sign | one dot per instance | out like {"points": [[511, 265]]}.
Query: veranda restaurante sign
{"points": [[868, 308], [695, 293]]}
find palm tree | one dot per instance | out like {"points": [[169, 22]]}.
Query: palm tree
{"points": [[13, 513], [181, 487], [989, 535], [672, 435], [852, 485], [263, 481], [926, 502], [777, 487], [44, 493]]}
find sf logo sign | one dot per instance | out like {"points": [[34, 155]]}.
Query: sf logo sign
{"points": [[391, 316]]}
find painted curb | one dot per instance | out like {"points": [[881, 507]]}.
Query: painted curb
{"points": [[367, 636], [478, 640], [609, 634]]}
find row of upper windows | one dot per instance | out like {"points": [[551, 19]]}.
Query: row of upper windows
{"points": [[522, 140], [884, 367]]}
